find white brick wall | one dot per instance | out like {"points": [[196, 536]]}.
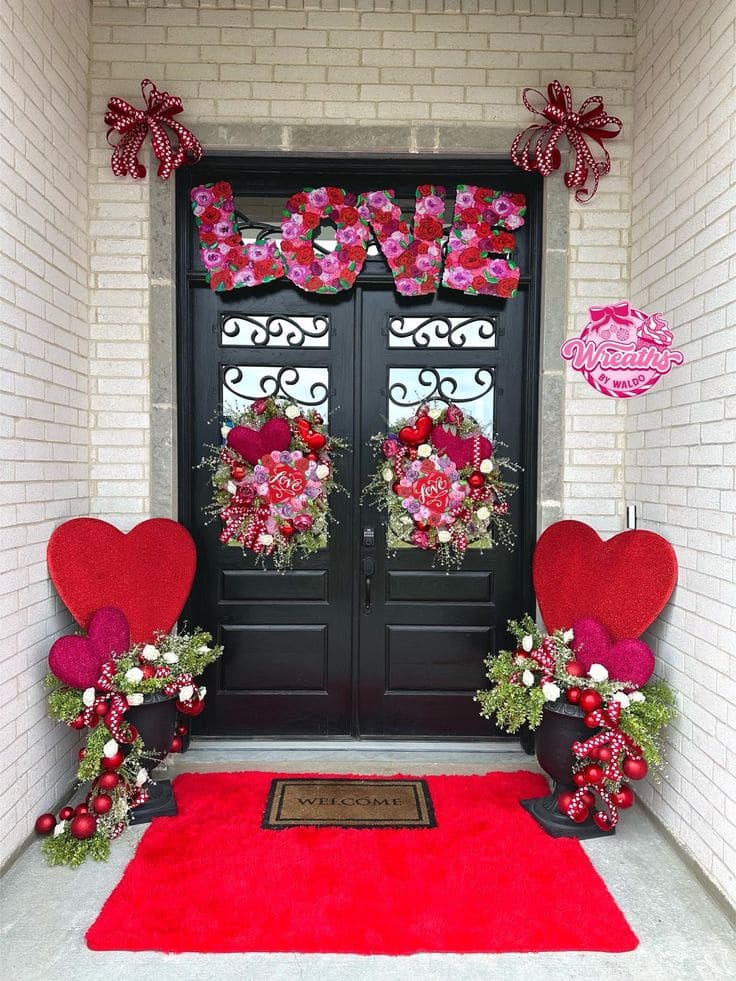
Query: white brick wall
{"points": [[681, 439], [43, 378]]}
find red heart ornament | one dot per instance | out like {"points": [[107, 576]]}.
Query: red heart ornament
{"points": [[623, 583], [460, 448], [252, 444], [627, 660], [416, 434], [77, 661], [147, 573]]}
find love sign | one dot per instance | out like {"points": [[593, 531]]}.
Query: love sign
{"points": [[478, 251], [284, 483]]}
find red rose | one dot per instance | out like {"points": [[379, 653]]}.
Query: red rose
{"points": [[210, 215], [428, 286], [288, 246], [314, 283], [405, 259], [207, 238], [471, 216], [356, 253], [519, 200], [296, 200], [471, 258], [233, 240], [479, 283], [236, 258], [335, 195], [506, 287], [429, 229], [221, 276], [310, 220], [263, 268], [350, 216], [504, 241], [222, 190], [304, 255]]}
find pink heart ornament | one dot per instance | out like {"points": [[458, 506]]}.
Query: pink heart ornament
{"points": [[626, 660], [252, 444], [77, 661], [459, 448]]}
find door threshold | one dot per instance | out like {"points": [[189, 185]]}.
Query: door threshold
{"points": [[213, 746]]}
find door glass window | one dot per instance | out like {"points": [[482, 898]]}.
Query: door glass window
{"points": [[470, 388], [275, 331], [442, 332], [308, 387]]}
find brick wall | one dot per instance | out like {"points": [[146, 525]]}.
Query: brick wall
{"points": [[43, 377], [359, 63], [681, 439]]}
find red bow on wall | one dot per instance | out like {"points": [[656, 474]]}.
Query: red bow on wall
{"points": [[539, 150], [134, 125]]}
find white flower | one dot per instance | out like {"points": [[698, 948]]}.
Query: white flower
{"points": [[186, 693], [551, 691], [88, 697], [292, 411], [598, 673], [203, 649], [482, 514], [149, 653], [110, 748], [59, 829], [265, 539], [224, 430], [323, 471], [141, 777], [424, 451], [406, 520], [434, 414], [135, 699], [527, 643], [486, 466], [171, 657], [568, 636], [527, 678], [637, 696], [622, 698], [231, 487], [443, 536], [133, 674], [388, 475]]}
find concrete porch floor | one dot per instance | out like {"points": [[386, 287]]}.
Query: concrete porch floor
{"points": [[683, 933]]}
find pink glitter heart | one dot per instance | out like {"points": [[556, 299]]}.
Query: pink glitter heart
{"points": [[252, 444], [77, 661], [627, 660], [458, 448]]}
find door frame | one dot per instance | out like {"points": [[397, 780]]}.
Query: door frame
{"points": [[296, 173]]}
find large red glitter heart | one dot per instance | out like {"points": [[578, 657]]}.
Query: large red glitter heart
{"points": [[147, 573], [623, 583], [252, 444]]}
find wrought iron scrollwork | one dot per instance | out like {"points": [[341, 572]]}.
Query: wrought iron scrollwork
{"points": [[433, 386], [443, 331], [284, 383], [277, 331]]}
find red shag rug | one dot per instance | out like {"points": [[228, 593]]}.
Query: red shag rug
{"points": [[487, 879]]}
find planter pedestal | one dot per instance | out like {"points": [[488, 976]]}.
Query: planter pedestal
{"points": [[561, 725], [155, 721]]}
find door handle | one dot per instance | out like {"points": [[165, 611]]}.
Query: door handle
{"points": [[369, 568]]}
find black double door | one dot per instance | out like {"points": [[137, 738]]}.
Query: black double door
{"points": [[351, 642]]}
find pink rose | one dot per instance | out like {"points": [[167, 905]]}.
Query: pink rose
{"points": [[454, 415], [420, 538], [259, 406], [303, 522], [390, 447]]}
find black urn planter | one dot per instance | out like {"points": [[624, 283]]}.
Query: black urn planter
{"points": [[155, 721], [562, 724]]}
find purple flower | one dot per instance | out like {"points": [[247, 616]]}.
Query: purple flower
{"points": [[297, 273], [502, 206], [458, 278], [258, 252], [245, 277], [318, 197], [431, 205], [223, 229], [464, 199], [412, 506], [377, 200], [260, 474], [212, 258], [203, 196], [347, 236], [408, 287], [499, 268]]}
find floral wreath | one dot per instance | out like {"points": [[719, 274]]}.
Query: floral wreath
{"points": [[113, 755], [272, 479], [440, 485], [625, 721]]}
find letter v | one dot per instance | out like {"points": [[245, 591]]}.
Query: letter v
{"points": [[228, 262], [415, 259]]}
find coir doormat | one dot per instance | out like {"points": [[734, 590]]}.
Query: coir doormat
{"points": [[487, 879], [356, 802]]}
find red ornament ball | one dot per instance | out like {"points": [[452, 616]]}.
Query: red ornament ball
{"points": [[594, 773], [476, 479], [77, 723], [604, 754], [112, 762], [287, 529], [623, 797], [575, 669], [581, 815], [635, 769], [66, 813], [94, 721], [195, 708], [176, 745], [102, 803], [590, 701], [573, 695], [590, 721], [81, 809], [312, 456], [603, 821], [45, 824], [237, 471], [588, 798], [81, 754], [564, 801], [148, 671], [181, 730], [83, 826], [101, 709], [579, 779], [108, 781]]}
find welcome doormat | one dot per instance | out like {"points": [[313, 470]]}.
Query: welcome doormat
{"points": [[336, 802], [487, 879]]}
